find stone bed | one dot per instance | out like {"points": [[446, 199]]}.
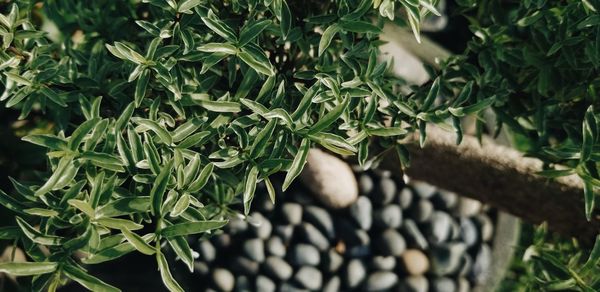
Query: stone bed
{"points": [[395, 237]]}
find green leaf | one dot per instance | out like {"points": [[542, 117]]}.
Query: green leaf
{"points": [[219, 27], [28, 268], [286, 19], [330, 117], [79, 133], [89, 282], [588, 191], [589, 132], [202, 179], [182, 204], [362, 8], [434, 92], [186, 5], [125, 206], [191, 228], [158, 189], [359, 27], [46, 140], [219, 106], [260, 143], [250, 32], [164, 135], [464, 94], [297, 164], [38, 237], [102, 158], [554, 173], [182, 250], [116, 223], [270, 189], [109, 254], [479, 106], [141, 86], [254, 106], [223, 48], [327, 36], [260, 67], [250, 188], [61, 171], [52, 95], [138, 242], [429, 6], [193, 140], [165, 274], [18, 79], [387, 132], [83, 206], [186, 129]]}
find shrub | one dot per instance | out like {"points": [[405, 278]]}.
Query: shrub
{"points": [[167, 113]]}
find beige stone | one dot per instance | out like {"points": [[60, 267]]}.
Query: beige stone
{"points": [[330, 179]]}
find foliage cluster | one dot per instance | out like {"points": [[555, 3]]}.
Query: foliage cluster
{"points": [[169, 112]]}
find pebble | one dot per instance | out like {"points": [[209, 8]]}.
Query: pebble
{"points": [[255, 249], [292, 213], [321, 219], [305, 254], [207, 251], [222, 241], [244, 265], [422, 210], [304, 198], [485, 226], [276, 247], [278, 268], [455, 231], [330, 179], [466, 265], [391, 243], [386, 192], [265, 284], [365, 184], [405, 198], [443, 284], [389, 216], [355, 273], [445, 200], [463, 285], [414, 284], [439, 227], [223, 279], [333, 261], [263, 203], [469, 234], [263, 227], [414, 262], [482, 264], [333, 285], [288, 287], [201, 268], [242, 284], [381, 280], [468, 207], [362, 212], [445, 258], [236, 226], [413, 233], [314, 236], [384, 263], [286, 232], [424, 190], [309, 278]]}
